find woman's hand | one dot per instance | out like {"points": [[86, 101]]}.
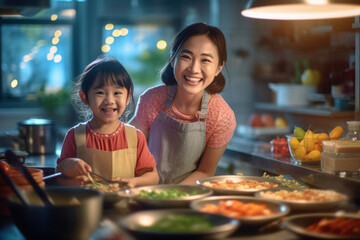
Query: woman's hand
{"points": [[74, 167]]}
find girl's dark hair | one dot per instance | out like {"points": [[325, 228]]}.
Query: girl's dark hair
{"points": [[215, 35], [102, 71]]}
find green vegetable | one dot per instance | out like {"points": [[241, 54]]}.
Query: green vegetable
{"points": [[180, 223], [290, 183], [299, 133], [171, 193]]}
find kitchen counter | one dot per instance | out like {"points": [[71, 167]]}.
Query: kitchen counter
{"points": [[109, 225], [249, 157]]}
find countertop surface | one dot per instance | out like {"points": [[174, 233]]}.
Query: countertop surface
{"points": [[242, 155]]}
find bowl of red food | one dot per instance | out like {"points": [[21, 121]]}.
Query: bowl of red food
{"points": [[279, 147]]}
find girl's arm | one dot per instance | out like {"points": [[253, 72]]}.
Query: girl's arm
{"points": [[73, 167], [148, 178], [207, 166]]}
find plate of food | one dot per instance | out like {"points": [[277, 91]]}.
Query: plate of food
{"points": [[167, 195], [325, 225], [237, 185], [301, 199], [250, 211], [111, 189], [178, 224]]}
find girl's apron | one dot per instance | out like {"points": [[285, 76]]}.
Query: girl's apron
{"points": [[109, 164], [177, 146]]}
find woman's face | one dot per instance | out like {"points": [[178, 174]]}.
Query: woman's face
{"points": [[107, 103], [196, 64]]}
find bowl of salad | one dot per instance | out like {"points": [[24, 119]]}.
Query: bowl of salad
{"points": [[167, 195]]}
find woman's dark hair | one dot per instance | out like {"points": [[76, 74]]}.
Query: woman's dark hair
{"points": [[102, 71], [215, 35]]}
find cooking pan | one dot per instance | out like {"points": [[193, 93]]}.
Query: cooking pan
{"points": [[75, 214]]}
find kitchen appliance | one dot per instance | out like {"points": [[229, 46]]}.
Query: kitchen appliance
{"points": [[288, 94], [37, 136]]}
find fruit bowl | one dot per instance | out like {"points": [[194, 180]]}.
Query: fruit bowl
{"points": [[307, 150]]}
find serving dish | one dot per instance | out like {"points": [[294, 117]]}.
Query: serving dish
{"points": [[152, 194], [136, 224], [299, 223], [278, 209], [111, 197], [300, 199], [206, 182]]}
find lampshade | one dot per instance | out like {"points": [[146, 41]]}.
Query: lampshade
{"points": [[301, 9]]}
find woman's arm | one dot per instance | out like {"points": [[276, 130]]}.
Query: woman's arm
{"points": [[207, 166]]}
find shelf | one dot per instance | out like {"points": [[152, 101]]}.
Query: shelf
{"points": [[314, 111]]}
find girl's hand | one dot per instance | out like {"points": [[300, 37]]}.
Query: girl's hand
{"points": [[74, 167], [131, 182]]}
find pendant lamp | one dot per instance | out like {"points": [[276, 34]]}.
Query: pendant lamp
{"points": [[301, 9]]}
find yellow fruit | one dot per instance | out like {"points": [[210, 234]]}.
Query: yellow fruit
{"points": [[280, 122], [311, 77], [318, 146], [300, 152], [314, 155], [294, 143], [322, 136], [336, 133], [309, 141]]}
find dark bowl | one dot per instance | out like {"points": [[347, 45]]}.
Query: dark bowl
{"points": [[75, 214], [134, 224]]}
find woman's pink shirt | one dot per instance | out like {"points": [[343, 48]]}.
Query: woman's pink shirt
{"points": [[220, 121]]}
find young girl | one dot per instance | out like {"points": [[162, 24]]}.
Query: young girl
{"points": [[104, 144], [187, 123]]}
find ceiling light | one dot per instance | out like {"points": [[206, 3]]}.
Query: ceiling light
{"points": [[301, 9]]}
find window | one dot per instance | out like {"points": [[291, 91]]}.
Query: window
{"points": [[36, 54], [142, 50], [34, 58]]}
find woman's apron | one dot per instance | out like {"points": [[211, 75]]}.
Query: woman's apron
{"points": [[109, 164], [177, 146]]}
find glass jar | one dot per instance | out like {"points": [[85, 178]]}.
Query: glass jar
{"points": [[353, 131]]}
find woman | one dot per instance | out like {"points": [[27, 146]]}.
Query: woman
{"points": [[187, 123]]}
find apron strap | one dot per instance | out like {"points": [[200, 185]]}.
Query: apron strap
{"points": [[80, 137], [203, 112], [170, 96], [131, 136]]}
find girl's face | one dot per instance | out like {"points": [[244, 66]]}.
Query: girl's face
{"points": [[196, 64], [107, 103]]}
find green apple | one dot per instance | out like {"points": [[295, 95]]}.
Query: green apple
{"points": [[311, 77]]}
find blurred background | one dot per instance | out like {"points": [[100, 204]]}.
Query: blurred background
{"points": [[44, 49]]}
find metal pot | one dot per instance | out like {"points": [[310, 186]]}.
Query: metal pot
{"points": [[37, 136]]}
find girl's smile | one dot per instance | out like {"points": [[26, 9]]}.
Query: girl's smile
{"points": [[107, 103]]}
